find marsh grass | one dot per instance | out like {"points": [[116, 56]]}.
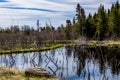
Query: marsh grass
{"points": [[43, 48], [13, 74], [104, 43]]}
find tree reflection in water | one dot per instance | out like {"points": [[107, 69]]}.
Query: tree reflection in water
{"points": [[69, 63]]}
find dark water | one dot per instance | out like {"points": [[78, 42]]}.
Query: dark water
{"points": [[68, 63]]}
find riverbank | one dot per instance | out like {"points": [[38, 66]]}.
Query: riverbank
{"points": [[43, 48], [60, 43], [13, 74], [93, 43], [104, 43]]}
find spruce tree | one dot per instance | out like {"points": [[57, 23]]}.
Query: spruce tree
{"points": [[80, 14]]}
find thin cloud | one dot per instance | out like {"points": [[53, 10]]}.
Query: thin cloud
{"points": [[36, 9], [28, 11]]}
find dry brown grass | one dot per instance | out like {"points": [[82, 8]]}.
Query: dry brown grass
{"points": [[12, 74]]}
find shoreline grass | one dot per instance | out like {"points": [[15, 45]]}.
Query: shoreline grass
{"points": [[104, 43], [94, 43], [31, 49], [13, 74], [90, 43]]}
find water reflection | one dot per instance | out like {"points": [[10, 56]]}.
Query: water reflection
{"points": [[69, 63], [103, 62]]}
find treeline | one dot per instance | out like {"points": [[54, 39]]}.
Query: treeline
{"points": [[28, 37], [104, 24]]}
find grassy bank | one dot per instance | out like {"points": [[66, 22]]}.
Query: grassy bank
{"points": [[43, 48], [104, 43], [60, 43], [94, 43], [12, 74]]}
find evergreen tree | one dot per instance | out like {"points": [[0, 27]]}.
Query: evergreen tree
{"points": [[80, 14], [101, 24], [68, 29], [116, 19], [90, 27], [73, 20]]}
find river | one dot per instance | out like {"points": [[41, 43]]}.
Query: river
{"points": [[69, 63]]}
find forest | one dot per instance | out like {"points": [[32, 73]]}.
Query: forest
{"points": [[102, 25]]}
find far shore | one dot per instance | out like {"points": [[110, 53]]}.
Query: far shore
{"points": [[60, 43]]}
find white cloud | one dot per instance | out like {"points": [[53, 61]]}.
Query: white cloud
{"points": [[44, 4], [57, 10]]}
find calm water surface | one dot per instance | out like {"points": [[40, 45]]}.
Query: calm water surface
{"points": [[68, 63]]}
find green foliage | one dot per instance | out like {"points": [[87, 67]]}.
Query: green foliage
{"points": [[80, 14], [68, 29], [102, 25], [90, 27], [116, 19]]}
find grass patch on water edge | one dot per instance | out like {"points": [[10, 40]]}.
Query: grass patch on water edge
{"points": [[13, 74], [90, 43], [44, 48], [104, 43]]}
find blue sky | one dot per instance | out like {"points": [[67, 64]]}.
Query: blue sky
{"points": [[26, 12]]}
